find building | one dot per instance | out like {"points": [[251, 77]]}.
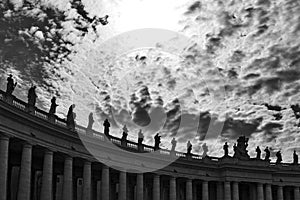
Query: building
{"points": [[41, 159]]}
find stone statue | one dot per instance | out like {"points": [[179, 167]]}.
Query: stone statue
{"points": [[189, 147], [71, 118], [234, 148], [241, 148], [32, 96], [157, 141], [174, 143], [125, 133], [268, 154], [258, 153], [295, 158], [140, 137], [91, 121], [279, 157], [106, 125], [205, 150], [53, 106], [11, 85], [225, 148]]}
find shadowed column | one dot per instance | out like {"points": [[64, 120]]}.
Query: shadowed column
{"points": [[25, 173], [68, 179], [87, 181], [172, 188], [46, 191], [189, 189], [260, 191], [296, 193], [123, 185], [279, 193], [220, 191], [235, 194], [227, 191], [4, 143], [156, 187], [205, 195], [268, 192], [140, 186], [105, 183]]}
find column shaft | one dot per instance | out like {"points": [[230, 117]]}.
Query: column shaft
{"points": [[87, 176], [172, 188], [46, 191], [260, 191], [140, 186], [105, 183], [205, 195], [68, 179], [4, 143], [156, 187], [296, 193], [227, 191], [279, 193], [189, 190], [235, 191], [25, 173], [122, 186], [268, 192]]}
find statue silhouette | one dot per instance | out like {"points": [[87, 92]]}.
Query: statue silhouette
{"points": [[225, 148], [279, 157], [32, 96], [91, 121], [11, 85], [268, 154], [53, 106], [106, 125], [157, 141], [125, 133], [174, 143], [258, 153], [240, 150], [205, 150], [295, 158], [140, 137], [71, 118], [189, 147]]}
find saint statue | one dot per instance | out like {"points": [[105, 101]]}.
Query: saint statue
{"points": [[240, 150], [11, 85], [106, 125], [295, 158], [71, 118], [225, 148], [268, 154], [174, 143], [53, 106], [279, 157], [189, 147], [125, 133], [140, 137], [205, 150], [258, 153], [91, 121], [157, 141], [32, 96]]}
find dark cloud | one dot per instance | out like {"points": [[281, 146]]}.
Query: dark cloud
{"points": [[195, 7]]}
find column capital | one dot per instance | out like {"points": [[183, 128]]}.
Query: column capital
{"points": [[4, 136]]}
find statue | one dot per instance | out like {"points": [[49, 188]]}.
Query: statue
{"points": [[53, 106], [279, 157], [141, 137], [71, 118], [189, 147], [295, 157], [225, 148], [258, 152], [241, 148], [205, 150], [125, 133], [268, 154], [11, 85], [32, 96], [91, 121], [234, 148], [157, 141], [106, 125], [174, 143]]}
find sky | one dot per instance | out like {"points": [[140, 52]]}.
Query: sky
{"points": [[200, 71]]}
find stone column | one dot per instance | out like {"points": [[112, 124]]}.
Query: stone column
{"points": [[205, 195], [279, 193], [220, 191], [68, 179], [268, 192], [87, 178], [172, 188], [235, 194], [140, 186], [260, 191], [4, 143], [296, 193], [227, 191], [46, 191], [25, 173], [105, 183], [156, 187], [189, 189], [122, 186]]}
